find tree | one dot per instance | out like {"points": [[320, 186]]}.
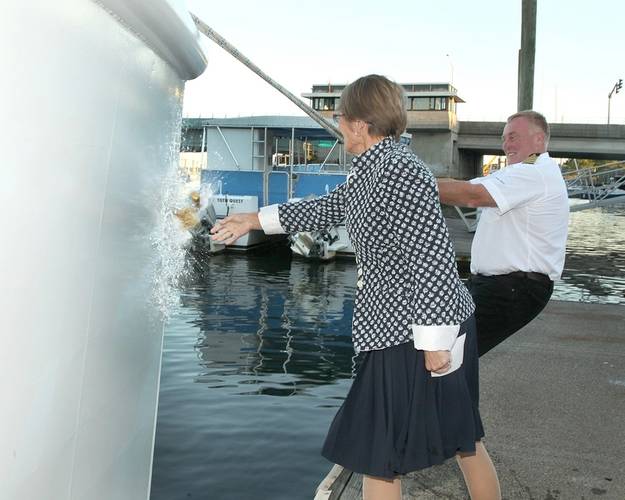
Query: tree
{"points": [[569, 164]]}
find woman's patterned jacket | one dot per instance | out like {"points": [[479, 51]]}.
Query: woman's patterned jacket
{"points": [[408, 285]]}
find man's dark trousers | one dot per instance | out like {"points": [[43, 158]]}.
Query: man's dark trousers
{"points": [[505, 303]]}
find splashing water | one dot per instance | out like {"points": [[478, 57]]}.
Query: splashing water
{"points": [[169, 239]]}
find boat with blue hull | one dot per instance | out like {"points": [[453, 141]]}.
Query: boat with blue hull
{"points": [[240, 191]]}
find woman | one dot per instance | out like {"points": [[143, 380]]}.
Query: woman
{"points": [[414, 400]]}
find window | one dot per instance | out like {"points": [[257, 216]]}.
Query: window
{"points": [[427, 104], [438, 103], [324, 103], [419, 103]]}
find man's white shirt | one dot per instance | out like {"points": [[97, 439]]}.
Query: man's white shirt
{"points": [[527, 230]]}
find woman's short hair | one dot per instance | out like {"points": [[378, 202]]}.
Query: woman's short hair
{"points": [[536, 119], [377, 101]]}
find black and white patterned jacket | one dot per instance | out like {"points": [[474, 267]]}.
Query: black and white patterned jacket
{"points": [[407, 285]]}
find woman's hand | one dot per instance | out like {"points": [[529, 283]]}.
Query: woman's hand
{"points": [[234, 226], [437, 361]]}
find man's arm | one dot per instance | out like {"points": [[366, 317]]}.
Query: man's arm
{"points": [[464, 194]]}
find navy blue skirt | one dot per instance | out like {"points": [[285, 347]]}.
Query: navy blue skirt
{"points": [[397, 418]]}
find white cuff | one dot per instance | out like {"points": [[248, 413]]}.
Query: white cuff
{"points": [[456, 356], [269, 219], [434, 337]]}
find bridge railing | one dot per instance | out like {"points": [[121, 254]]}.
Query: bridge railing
{"points": [[596, 183]]}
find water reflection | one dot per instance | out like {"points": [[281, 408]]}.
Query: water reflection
{"points": [[249, 328], [595, 262], [268, 313]]}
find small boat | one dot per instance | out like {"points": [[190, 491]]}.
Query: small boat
{"points": [[226, 204], [323, 244]]}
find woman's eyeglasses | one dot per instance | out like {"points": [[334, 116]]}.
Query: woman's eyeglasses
{"points": [[336, 116]]}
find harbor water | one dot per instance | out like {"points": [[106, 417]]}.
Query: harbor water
{"points": [[257, 358]]}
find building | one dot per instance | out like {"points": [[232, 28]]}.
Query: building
{"points": [[256, 143]]}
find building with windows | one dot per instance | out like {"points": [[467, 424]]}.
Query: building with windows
{"points": [[432, 119]]}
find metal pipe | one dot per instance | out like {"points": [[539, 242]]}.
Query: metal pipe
{"points": [[328, 155], [236, 162], [265, 171], [292, 154], [203, 149], [228, 47], [252, 147]]}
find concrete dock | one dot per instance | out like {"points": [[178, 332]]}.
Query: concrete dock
{"points": [[553, 406]]}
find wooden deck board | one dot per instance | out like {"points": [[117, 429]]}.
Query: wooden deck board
{"points": [[353, 488]]}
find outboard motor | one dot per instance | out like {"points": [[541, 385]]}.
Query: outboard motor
{"points": [[316, 244]]}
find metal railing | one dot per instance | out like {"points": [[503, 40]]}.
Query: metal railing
{"points": [[600, 185]]}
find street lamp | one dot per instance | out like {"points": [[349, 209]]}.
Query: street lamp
{"points": [[615, 89], [451, 67]]}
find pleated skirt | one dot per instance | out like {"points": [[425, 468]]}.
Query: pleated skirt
{"points": [[397, 418]]}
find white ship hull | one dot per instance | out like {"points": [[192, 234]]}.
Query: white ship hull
{"points": [[91, 119]]}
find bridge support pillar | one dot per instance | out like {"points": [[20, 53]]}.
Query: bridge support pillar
{"points": [[469, 164]]}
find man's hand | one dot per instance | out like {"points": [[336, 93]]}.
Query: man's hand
{"points": [[437, 361]]}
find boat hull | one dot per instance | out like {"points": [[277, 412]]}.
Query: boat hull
{"points": [[91, 119]]}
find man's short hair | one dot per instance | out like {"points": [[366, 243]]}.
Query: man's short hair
{"points": [[536, 119], [377, 101]]}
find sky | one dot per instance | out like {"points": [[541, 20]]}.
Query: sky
{"points": [[580, 53]]}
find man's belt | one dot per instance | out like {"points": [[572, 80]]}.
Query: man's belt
{"points": [[540, 277], [543, 278]]}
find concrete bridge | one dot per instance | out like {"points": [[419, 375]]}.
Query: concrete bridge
{"points": [[568, 140]]}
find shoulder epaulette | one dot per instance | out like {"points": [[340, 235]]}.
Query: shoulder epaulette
{"points": [[531, 159]]}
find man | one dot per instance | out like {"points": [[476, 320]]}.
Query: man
{"points": [[519, 246]]}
